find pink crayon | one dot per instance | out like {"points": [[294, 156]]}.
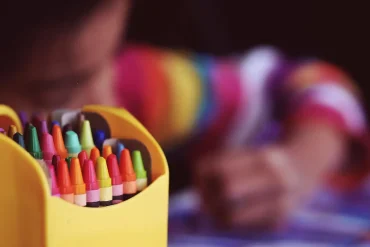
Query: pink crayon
{"points": [[115, 174], [47, 147], [92, 185], [54, 184]]}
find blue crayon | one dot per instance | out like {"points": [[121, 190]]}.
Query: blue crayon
{"points": [[119, 149], [99, 138], [18, 138], [52, 125]]}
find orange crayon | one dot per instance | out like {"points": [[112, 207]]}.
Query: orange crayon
{"points": [[59, 142], [79, 186], [64, 182], [107, 150], [128, 175], [94, 155]]}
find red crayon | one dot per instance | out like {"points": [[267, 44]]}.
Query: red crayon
{"points": [[115, 174], [64, 182], [92, 185], [47, 147], [54, 184], [82, 156]]}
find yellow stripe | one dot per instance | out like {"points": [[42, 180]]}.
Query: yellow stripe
{"points": [[185, 93]]}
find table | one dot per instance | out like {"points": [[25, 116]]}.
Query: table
{"points": [[332, 218]]}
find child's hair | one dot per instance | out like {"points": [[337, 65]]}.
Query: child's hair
{"points": [[22, 22]]}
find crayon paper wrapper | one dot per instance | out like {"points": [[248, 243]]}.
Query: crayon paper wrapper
{"points": [[129, 187], [117, 190], [80, 200], [106, 194], [141, 184], [92, 196]]}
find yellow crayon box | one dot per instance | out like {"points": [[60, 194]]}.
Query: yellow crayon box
{"points": [[31, 217]]}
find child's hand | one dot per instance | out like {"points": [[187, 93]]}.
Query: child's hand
{"points": [[249, 188], [260, 188]]}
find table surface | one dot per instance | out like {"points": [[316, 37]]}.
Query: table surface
{"points": [[330, 219]]}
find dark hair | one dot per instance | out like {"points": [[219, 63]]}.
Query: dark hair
{"points": [[21, 22]]}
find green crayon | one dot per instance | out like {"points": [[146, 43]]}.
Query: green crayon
{"points": [[33, 144], [86, 138], [141, 176], [72, 143]]}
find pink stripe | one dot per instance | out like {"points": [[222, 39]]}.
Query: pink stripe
{"points": [[92, 195], [117, 190]]}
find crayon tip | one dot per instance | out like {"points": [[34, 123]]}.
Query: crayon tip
{"points": [[64, 181], [72, 143], [33, 145], [54, 123], [107, 150], [55, 161], [99, 137], [12, 130], [138, 164], [119, 149], [54, 184], [113, 169], [87, 142], [59, 142], [76, 177], [23, 117], [95, 154], [18, 138], [102, 173], [82, 156], [66, 128], [2, 131], [127, 170], [43, 127], [47, 146], [89, 175]]}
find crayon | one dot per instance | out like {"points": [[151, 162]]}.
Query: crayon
{"points": [[23, 117], [36, 120], [67, 128], [25, 132], [59, 142], [119, 149], [47, 147], [128, 175], [68, 160], [92, 185], [115, 174], [54, 162], [33, 145], [79, 186], [54, 123], [80, 119], [18, 138], [105, 182], [54, 184], [64, 182], [99, 137], [43, 128], [141, 176], [2, 131], [82, 156], [94, 155], [107, 150], [72, 143], [87, 141], [12, 130]]}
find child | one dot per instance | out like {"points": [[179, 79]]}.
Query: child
{"points": [[65, 57]]}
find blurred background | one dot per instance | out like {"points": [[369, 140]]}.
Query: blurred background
{"points": [[334, 31]]}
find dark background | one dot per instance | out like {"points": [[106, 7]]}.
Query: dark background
{"points": [[334, 31]]}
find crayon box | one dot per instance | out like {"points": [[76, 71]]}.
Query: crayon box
{"points": [[31, 217]]}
